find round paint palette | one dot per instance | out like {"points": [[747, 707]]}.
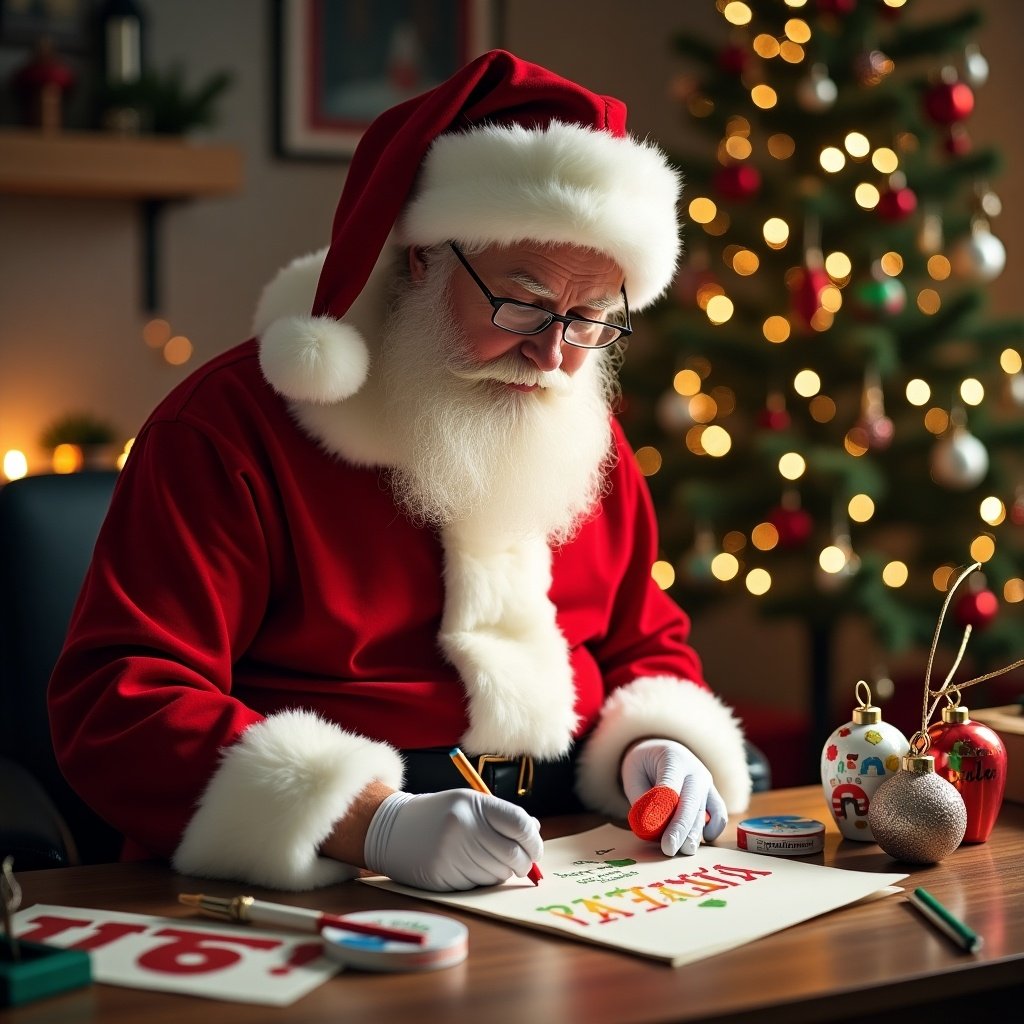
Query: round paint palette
{"points": [[447, 942]]}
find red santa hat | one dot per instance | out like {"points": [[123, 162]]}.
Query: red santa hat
{"points": [[502, 152]]}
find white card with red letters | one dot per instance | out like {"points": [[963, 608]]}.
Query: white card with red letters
{"points": [[607, 886], [183, 955]]}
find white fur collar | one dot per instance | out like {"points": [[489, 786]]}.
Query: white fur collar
{"points": [[498, 627]]}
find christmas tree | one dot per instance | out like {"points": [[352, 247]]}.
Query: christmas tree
{"points": [[828, 420]]}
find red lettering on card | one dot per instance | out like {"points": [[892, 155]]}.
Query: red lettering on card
{"points": [[47, 926], [300, 955], [198, 952]]}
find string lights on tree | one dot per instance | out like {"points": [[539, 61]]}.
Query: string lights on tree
{"points": [[834, 414]]}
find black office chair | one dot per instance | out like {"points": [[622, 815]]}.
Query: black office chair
{"points": [[48, 527]]}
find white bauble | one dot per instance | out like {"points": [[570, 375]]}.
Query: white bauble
{"points": [[978, 257], [672, 411], [959, 461], [1017, 388], [817, 92], [975, 66]]}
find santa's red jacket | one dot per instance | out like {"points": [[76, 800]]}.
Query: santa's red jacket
{"points": [[258, 634]]}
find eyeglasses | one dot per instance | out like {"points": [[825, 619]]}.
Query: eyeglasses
{"points": [[526, 318]]}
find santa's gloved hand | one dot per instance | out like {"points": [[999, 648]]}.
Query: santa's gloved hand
{"points": [[666, 763], [456, 839]]}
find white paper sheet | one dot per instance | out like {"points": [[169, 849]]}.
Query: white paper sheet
{"points": [[608, 887], [202, 958]]}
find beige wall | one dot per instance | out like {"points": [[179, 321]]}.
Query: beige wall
{"points": [[70, 317]]}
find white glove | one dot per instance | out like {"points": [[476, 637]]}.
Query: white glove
{"points": [[455, 839], [667, 763]]}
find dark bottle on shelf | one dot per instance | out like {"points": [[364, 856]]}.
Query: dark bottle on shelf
{"points": [[121, 27]]}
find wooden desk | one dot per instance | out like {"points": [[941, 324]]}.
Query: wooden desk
{"points": [[880, 957]]}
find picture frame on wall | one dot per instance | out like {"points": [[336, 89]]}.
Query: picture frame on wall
{"points": [[340, 63], [65, 23]]}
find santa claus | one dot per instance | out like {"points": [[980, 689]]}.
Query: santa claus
{"points": [[402, 518]]}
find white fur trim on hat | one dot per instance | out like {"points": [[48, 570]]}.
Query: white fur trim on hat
{"points": [[500, 633], [560, 184], [312, 359], [674, 709], [276, 796]]}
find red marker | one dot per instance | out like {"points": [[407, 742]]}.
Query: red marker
{"points": [[469, 773]]}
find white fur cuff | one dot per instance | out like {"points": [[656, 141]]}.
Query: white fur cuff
{"points": [[671, 709], [275, 798]]}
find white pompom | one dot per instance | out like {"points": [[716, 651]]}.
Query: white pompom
{"points": [[313, 359]]}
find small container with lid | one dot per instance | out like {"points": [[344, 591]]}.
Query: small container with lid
{"points": [[855, 760]]}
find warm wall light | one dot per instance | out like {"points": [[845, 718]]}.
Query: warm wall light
{"points": [[15, 464], [67, 458]]}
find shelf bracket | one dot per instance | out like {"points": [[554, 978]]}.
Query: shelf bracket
{"points": [[151, 212]]}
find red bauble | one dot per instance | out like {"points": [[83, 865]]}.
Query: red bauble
{"points": [[1017, 512], [689, 282], [733, 60], [793, 525], [737, 181], [878, 431], [976, 609], [971, 757], [773, 419], [805, 293], [948, 102], [896, 204], [840, 7]]}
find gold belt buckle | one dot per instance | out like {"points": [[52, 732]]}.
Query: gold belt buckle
{"points": [[524, 787]]}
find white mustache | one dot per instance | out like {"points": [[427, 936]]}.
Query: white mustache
{"points": [[512, 371]]}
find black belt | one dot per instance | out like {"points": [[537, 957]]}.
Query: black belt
{"points": [[539, 787]]}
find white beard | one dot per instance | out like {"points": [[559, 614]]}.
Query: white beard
{"points": [[468, 450]]}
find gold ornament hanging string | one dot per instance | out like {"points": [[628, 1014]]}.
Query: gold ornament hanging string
{"points": [[920, 742]]}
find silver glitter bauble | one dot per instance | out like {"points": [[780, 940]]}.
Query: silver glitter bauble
{"points": [[915, 815]]}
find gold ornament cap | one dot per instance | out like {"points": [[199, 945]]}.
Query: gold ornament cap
{"points": [[920, 764], [866, 713], [955, 714]]}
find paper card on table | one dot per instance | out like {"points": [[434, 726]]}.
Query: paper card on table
{"points": [[182, 955], [608, 887]]}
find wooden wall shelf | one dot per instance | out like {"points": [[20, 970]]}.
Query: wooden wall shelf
{"points": [[98, 166]]}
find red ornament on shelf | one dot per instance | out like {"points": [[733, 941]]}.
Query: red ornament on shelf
{"points": [[971, 757], [949, 102], [793, 525], [976, 609], [896, 204], [41, 85], [737, 181]]}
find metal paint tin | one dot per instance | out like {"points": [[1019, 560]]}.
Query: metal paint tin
{"points": [[781, 835]]}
